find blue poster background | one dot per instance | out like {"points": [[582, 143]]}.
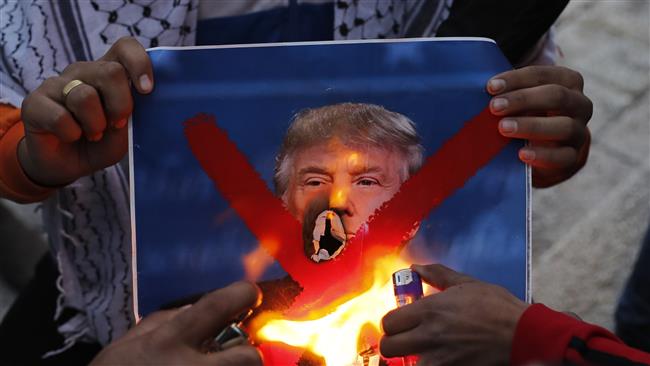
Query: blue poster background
{"points": [[187, 238]]}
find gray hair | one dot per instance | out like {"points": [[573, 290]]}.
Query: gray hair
{"points": [[355, 124]]}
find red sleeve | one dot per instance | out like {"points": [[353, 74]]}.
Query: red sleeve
{"points": [[547, 336], [14, 183]]}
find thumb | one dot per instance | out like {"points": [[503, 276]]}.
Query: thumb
{"points": [[440, 277]]}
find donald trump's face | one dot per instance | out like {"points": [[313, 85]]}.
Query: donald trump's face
{"points": [[337, 165], [356, 181]]}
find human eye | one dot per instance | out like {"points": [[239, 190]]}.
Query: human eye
{"points": [[314, 182], [367, 181]]}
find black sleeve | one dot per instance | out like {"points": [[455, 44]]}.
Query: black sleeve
{"points": [[516, 25]]}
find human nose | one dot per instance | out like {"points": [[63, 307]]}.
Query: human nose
{"points": [[340, 200]]}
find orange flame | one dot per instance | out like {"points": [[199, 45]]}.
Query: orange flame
{"points": [[353, 159], [256, 262], [336, 336], [338, 197]]}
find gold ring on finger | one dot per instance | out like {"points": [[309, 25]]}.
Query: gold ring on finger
{"points": [[71, 85]]}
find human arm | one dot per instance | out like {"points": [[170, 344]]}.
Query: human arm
{"points": [[177, 337], [546, 336], [471, 322], [546, 106]]}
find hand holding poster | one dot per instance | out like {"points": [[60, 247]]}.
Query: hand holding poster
{"points": [[318, 179]]}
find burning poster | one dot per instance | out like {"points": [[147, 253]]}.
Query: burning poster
{"points": [[317, 170]]}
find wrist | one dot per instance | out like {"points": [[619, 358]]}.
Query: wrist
{"points": [[517, 311], [14, 182], [25, 161], [29, 169], [512, 311]]}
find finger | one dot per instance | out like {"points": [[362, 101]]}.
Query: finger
{"points": [[130, 53], [42, 114], [438, 357], [531, 76], [235, 356], [545, 99], [404, 344], [109, 78], [212, 312], [557, 128], [440, 276], [401, 319], [556, 158], [150, 323], [85, 104]]}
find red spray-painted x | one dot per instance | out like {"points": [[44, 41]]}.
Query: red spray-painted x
{"points": [[445, 171]]}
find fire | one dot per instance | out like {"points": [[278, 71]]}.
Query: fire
{"points": [[338, 197], [336, 336], [353, 159], [256, 262]]}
